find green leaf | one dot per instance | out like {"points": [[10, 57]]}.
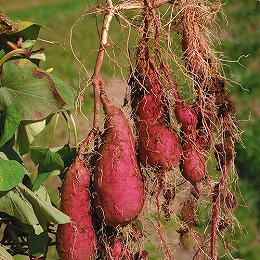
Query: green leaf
{"points": [[15, 204], [27, 132], [33, 129], [11, 173], [38, 56], [38, 244], [32, 90], [27, 30], [45, 157], [49, 162], [31, 208], [68, 154], [42, 176], [22, 140], [10, 153], [67, 93], [4, 255], [10, 121], [43, 209]]}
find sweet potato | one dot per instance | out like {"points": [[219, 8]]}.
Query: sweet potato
{"points": [[158, 146], [119, 252], [158, 143], [118, 184], [186, 116], [76, 240], [193, 165]]}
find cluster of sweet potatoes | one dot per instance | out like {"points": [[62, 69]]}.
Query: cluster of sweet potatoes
{"points": [[117, 195]]}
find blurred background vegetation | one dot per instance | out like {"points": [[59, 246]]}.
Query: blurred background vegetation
{"points": [[241, 42]]}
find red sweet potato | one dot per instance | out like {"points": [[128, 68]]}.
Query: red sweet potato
{"points": [[186, 116], [193, 165], [158, 146], [119, 252], [76, 240], [118, 185], [158, 143]]}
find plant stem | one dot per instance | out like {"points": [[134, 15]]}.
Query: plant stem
{"points": [[74, 127], [99, 61], [110, 11], [12, 53], [54, 129]]}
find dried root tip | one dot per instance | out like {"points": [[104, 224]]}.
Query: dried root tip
{"points": [[188, 214]]}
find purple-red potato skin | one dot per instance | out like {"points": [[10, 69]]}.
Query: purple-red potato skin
{"points": [[186, 116], [158, 144], [193, 165], [118, 184], [76, 240], [119, 252]]}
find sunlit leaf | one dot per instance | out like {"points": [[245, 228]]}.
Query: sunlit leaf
{"points": [[11, 173], [67, 93], [38, 56], [27, 132], [43, 209], [32, 90], [33, 129]]}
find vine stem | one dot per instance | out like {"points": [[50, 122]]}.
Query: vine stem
{"points": [[12, 53], [110, 11], [99, 61], [74, 127], [85, 142], [54, 129]]}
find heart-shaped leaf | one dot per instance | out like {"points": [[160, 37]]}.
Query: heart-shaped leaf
{"points": [[30, 89], [45, 157], [11, 173]]}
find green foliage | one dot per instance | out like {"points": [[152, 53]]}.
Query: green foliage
{"points": [[15, 172], [29, 97]]}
